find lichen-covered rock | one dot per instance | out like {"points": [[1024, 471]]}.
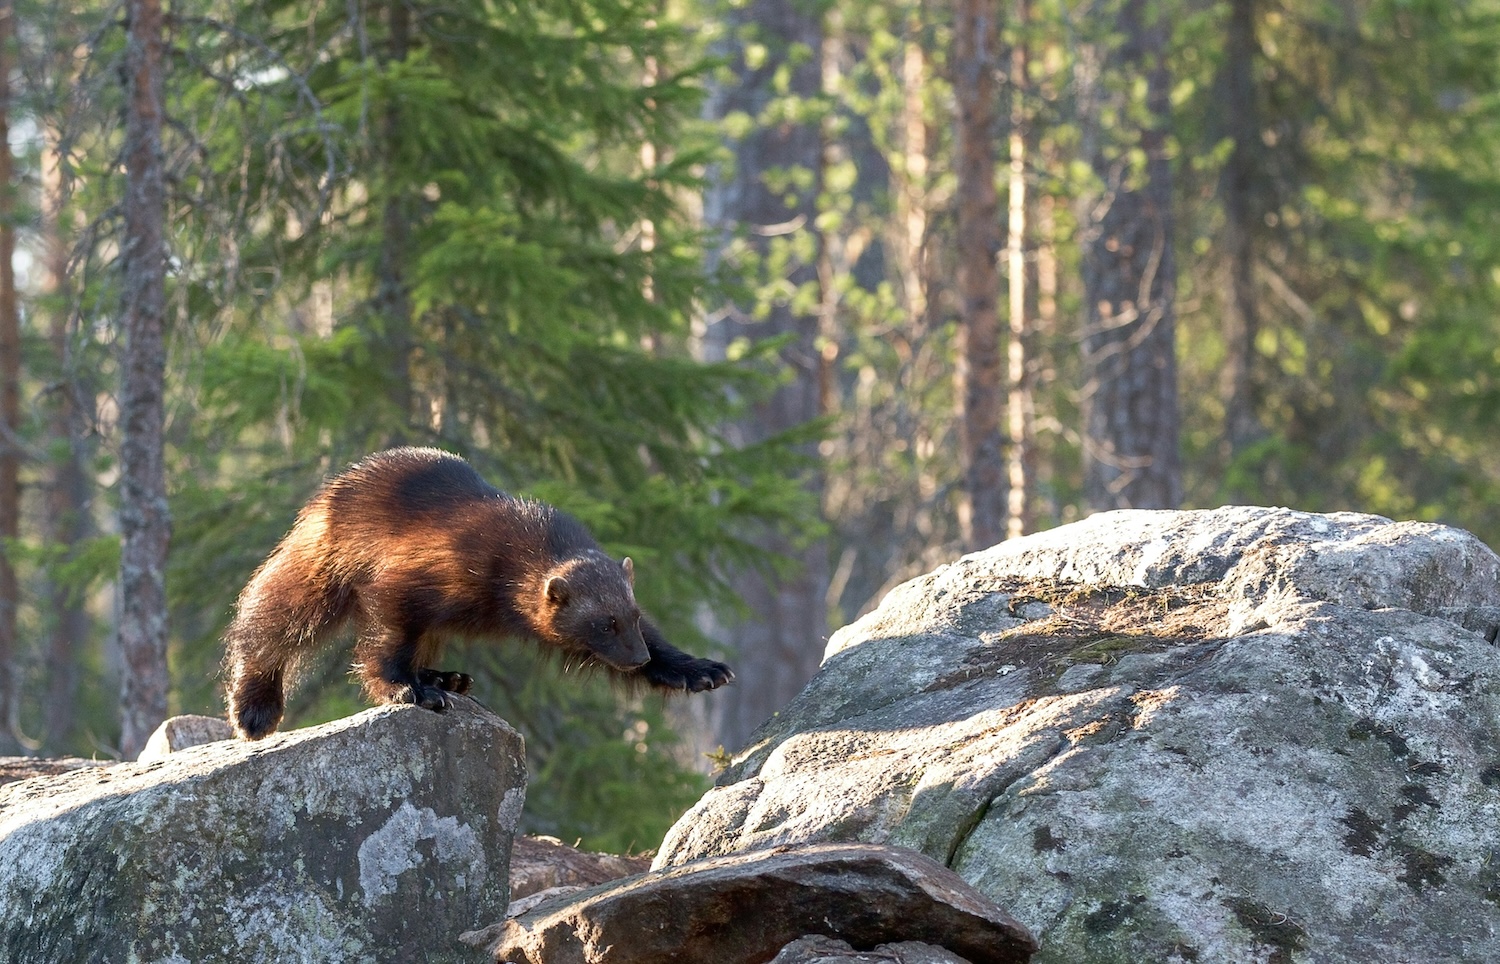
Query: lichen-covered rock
{"points": [[1230, 735], [376, 838]]}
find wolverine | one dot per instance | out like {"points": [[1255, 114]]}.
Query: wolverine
{"points": [[413, 547]]}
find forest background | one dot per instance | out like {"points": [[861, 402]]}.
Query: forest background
{"points": [[789, 300]]}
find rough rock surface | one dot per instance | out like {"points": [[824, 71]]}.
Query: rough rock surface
{"points": [[13, 768], [546, 863], [826, 950], [743, 909], [380, 837], [1243, 735]]}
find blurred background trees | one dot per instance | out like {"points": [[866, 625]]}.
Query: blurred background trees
{"points": [[788, 300]]}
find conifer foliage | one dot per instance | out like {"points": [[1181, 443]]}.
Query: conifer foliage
{"points": [[1250, 255], [460, 232], [426, 223]]}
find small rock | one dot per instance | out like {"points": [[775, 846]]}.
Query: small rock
{"points": [[181, 732]]}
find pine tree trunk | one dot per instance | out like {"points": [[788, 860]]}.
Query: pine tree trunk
{"points": [[911, 194], [10, 403], [145, 524], [779, 646], [1046, 503], [1239, 186], [1046, 251], [67, 515], [980, 392], [1018, 404], [1129, 272]]}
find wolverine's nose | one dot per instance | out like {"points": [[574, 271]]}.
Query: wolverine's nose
{"points": [[625, 663], [638, 655]]}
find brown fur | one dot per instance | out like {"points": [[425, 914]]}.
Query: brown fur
{"points": [[412, 546]]}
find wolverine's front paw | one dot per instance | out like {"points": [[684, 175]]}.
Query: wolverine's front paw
{"points": [[690, 674]]}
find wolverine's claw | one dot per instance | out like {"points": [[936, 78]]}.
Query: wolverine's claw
{"points": [[449, 680], [690, 674], [425, 695]]}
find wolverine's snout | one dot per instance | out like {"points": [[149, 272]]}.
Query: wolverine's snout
{"points": [[623, 655]]}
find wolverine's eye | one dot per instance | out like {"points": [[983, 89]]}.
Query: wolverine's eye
{"points": [[614, 626]]}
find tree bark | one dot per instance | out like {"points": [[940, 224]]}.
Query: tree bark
{"points": [[1241, 320], [67, 496], [975, 62], [1046, 504], [911, 194], [1129, 272], [1019, 471], [777, 649], [10, 403], [145, 523]]}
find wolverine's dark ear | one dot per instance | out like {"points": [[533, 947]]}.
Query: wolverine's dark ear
{"points": [[557, 590], [629, 568]]}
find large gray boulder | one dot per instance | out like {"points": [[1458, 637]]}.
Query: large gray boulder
{"points": [[380, 837], [1233, 735]]}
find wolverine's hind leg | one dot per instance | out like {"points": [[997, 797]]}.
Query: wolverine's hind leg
{"points": [[257, 700], [282, 615]]}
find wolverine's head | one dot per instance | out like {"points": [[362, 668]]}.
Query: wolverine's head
{"points": [[589, 604]]}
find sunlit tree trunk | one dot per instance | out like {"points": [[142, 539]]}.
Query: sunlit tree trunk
{"points": [[1130, 391], [779, 646], [979, 370], [1046, 261], [145, 524], [911, 194], [1019, 468], [1045, 503]]}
